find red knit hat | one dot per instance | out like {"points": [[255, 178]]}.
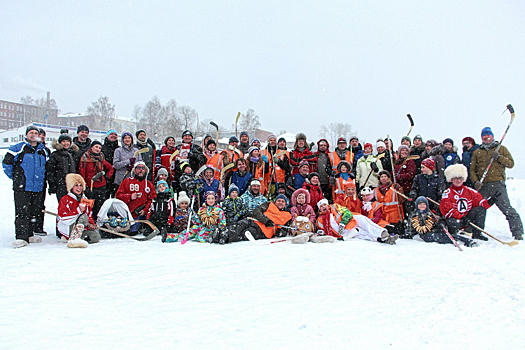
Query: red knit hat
{"points": [[429, 163]]}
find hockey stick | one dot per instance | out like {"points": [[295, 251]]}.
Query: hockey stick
{"points": [[512, 243], [201, 169], [189, 222], [236, 121], [511, 110], [411, 123], [140, 151], [223, 171], [173, 155], [446, 231], [217, 128], [147, 238], [260, 242]]}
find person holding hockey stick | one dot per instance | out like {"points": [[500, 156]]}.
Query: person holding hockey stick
{"points": [[462, 205], [423, 222], [494, 181], [73, 210]]}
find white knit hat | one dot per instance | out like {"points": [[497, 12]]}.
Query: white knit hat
{"points": [[183, 197]]}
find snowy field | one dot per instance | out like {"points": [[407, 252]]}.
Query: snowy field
{"points": [[123, 294]]}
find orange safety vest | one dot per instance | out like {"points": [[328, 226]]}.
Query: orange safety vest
{"points": [[334, 158], [230, 157], [337, 216], [277, 216], [391, 208], [216, 164], [349, 203], [375, 207], [279, 172], [339, 188]]}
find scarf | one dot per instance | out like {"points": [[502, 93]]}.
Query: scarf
{"points": [[142, 143], [489, 146], [384, 188], [327, 225], [254, 159], [345, 176]]}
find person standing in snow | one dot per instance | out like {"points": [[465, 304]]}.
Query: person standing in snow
{"points": [[25, 164], [149, 156], [108, 148], [60, 164], [83, 142], [495, 180], [124, 158], [469, 147], [244, 142]]}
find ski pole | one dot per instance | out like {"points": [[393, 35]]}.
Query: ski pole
{"points": [[511, 110]]}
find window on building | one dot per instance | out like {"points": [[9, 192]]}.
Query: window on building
{"points": [[6, 140]]}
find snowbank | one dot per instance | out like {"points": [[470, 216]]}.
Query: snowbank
{"points": [[126, 294]]}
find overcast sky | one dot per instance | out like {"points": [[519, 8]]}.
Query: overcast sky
{"points": [[454, 65]]}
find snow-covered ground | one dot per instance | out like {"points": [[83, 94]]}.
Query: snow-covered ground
{"points": [[123, 294]]}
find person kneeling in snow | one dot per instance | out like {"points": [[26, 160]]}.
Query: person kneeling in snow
{"points": [[73, 211], [209, 219], [421, 221], [462, 205], [337, 221]]}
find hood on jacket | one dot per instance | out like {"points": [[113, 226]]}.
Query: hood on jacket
{"points": [[297, 192], [344, 162], [58, 146], [327, 144]]}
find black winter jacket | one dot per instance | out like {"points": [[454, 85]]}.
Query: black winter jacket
{"points": [[60, 164]]}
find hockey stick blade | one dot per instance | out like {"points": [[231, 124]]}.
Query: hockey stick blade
{"points": [[511, 243]]}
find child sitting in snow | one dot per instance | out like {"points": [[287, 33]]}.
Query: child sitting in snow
{"points": [[233, 206], [421, 221], [300, 205], [160, 212]]}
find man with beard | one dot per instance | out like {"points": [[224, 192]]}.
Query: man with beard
{"points": [[137, 192], [494, 182], [191, 152], [83, 142], [324, 167], [108, 148], [149, 156], [244, 143], [469, 147], [340, 153], [253, 197]]}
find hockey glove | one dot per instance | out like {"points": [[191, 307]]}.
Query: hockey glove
{"points": [[374, 167], [495, 155], [332, 181], [478, 185], [132, 161], [494, 198]]}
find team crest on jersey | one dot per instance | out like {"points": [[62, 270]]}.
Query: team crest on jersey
{"points": [[462, 205]]}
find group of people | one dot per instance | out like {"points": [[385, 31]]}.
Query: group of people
{"points": [[200, 192]]}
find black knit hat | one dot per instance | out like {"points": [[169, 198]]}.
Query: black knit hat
{"points": [[281, 139], [93, 143], [167, 138], [448, 139], [31, 127], [211, 141], [41, 131], [187, 132], [64, 137], [139, 131], [312, 175], [82, 128]]}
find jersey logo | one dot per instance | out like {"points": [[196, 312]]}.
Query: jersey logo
{"points": [[462, 205]]}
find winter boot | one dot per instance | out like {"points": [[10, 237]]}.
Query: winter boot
{"points": [[478, 235], [518, 236], [19, 243], [40, 233], [323, 239], [75, 240], [35, 239], [472, 244], [387, 238], [301, 239], [164, 234]]}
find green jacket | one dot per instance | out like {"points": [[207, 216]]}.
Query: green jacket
{"points": [[481, 159]]}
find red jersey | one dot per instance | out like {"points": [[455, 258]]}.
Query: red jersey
{"points": [[458, 201], [144, 189], [68, 213]]}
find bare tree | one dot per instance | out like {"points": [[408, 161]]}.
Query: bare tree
{"points": [[152, 116], [189, 116], [249, 122], [103, 113], [336, 130]]}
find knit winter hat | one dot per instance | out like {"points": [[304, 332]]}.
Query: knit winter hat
{"points": [[384, 172], [139, 131], [354, 138], [64, 137], [93, 143], [210, 193], [271, 136], [183, 198], [31, 127], [82, 128], [186, 132], [281, 139], [167, 189], [448, 139], [281, 196], [429, 163], [184, 165], [368, 144], [402, 147], [244, 133], [380, 144], [233, 139], [311, 175], [366, 190], [126, 133], [469, 139], [418, 137], [348, 184], [211, 141], [167, 138], [341, 140], [422, 199], [162, 171], [321, 202], [111, 131], [42, 131], [487, 131], [251, 149], [255, 139], [406, 138], [232, 188], [303, 163]]}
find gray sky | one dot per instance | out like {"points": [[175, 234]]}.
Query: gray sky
{"points": [[453, 65]]}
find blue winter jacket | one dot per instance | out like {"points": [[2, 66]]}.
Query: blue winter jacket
{"points": [[26, 166]]}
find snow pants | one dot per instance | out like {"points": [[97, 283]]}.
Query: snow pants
{"points": [[200, 234], [28, 213], [99, 195], [91, 236], [236, 230], [476, 216], [503, 203], [442, 238], [365, 229]]}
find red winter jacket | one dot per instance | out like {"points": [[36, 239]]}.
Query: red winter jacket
{"points": [[165, 155], [405, 172], [315, 193], [144, 188], [458, 201], [89, 167], [68, 213], [296, 156]]}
